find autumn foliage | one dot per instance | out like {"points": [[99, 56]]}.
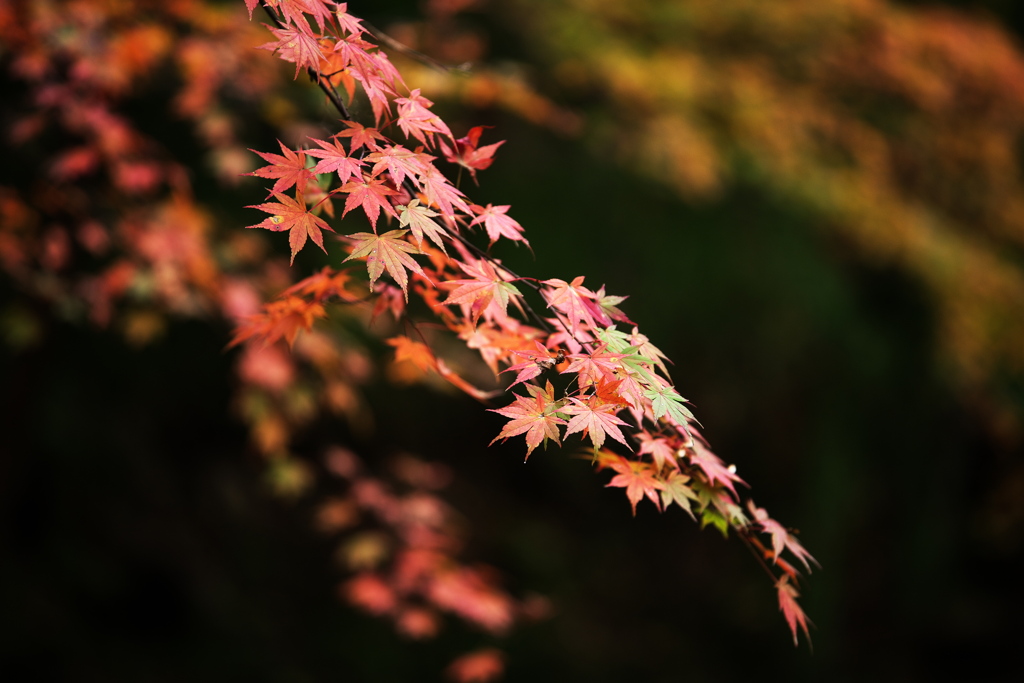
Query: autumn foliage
{"points": [[613, 383], [116, 234]]}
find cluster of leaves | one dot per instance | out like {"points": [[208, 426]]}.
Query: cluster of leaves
{"points": [[403, 548], [615, 384], [110, 230], [893, 127]]}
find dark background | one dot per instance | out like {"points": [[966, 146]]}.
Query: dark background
{"points": [[141, 541]]}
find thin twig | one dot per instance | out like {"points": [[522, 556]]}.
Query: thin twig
{"points": [[314, 75]]}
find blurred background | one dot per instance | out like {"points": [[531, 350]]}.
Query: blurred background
{"points": [[815, 207]]}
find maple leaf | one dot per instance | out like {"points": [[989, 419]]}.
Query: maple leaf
{"points": [[712, 465], [416, 120], [781, 538], [481, 666], [576, 303], [497, 223], [334, 158], [294, 9], [347, 22], [361, 136], [485, 286], [676, 491], [419, 219], [665, 400], [535, 415], [791, 608], [417, 353], [295, 45], [388, 251], [660, 450], [465, 152], [292, 215], [372, 195], [399, 162], [284, 318], [563, 337], [535, 363], [441, 193], [638, 479], [327, 283], [371, 593], [609, 304], [595, 421], [594, 366], [289, 169]]}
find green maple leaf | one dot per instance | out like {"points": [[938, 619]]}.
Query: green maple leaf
{"points": [[666, 400], [420, 220], [677, 491]]}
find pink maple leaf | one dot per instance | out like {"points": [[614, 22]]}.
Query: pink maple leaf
{"points": [[289, 169], [334, 159], [791, 608], [498, 223], [638, 479], [534, 416], [595, 421], [295, 46], [372, 195]]}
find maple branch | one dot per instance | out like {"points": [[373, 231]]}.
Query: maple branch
{"points": [[749, 541], [313, 74]]}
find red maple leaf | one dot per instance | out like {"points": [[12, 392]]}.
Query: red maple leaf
{"points": [[284, 318], [416, 120], [486, 285], [289, 169], [399, 162], [294, 45], [347, 22], [577, 303], [388, 251], [323, 285], [638, 479], [534, 415], [791, 608], [594, 366], [334, 158], [371, 194], [498, 223], [781, 538], [361, 136], [441, 193], [417, 353], [481, 666], [660, 450], [712, 465], [291, 214], [465, 152], [594, 421], [292, 10], [535, 364]]}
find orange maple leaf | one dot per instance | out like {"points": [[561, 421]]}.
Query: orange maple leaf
{"points": [[638, 479], [292, 215]]}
